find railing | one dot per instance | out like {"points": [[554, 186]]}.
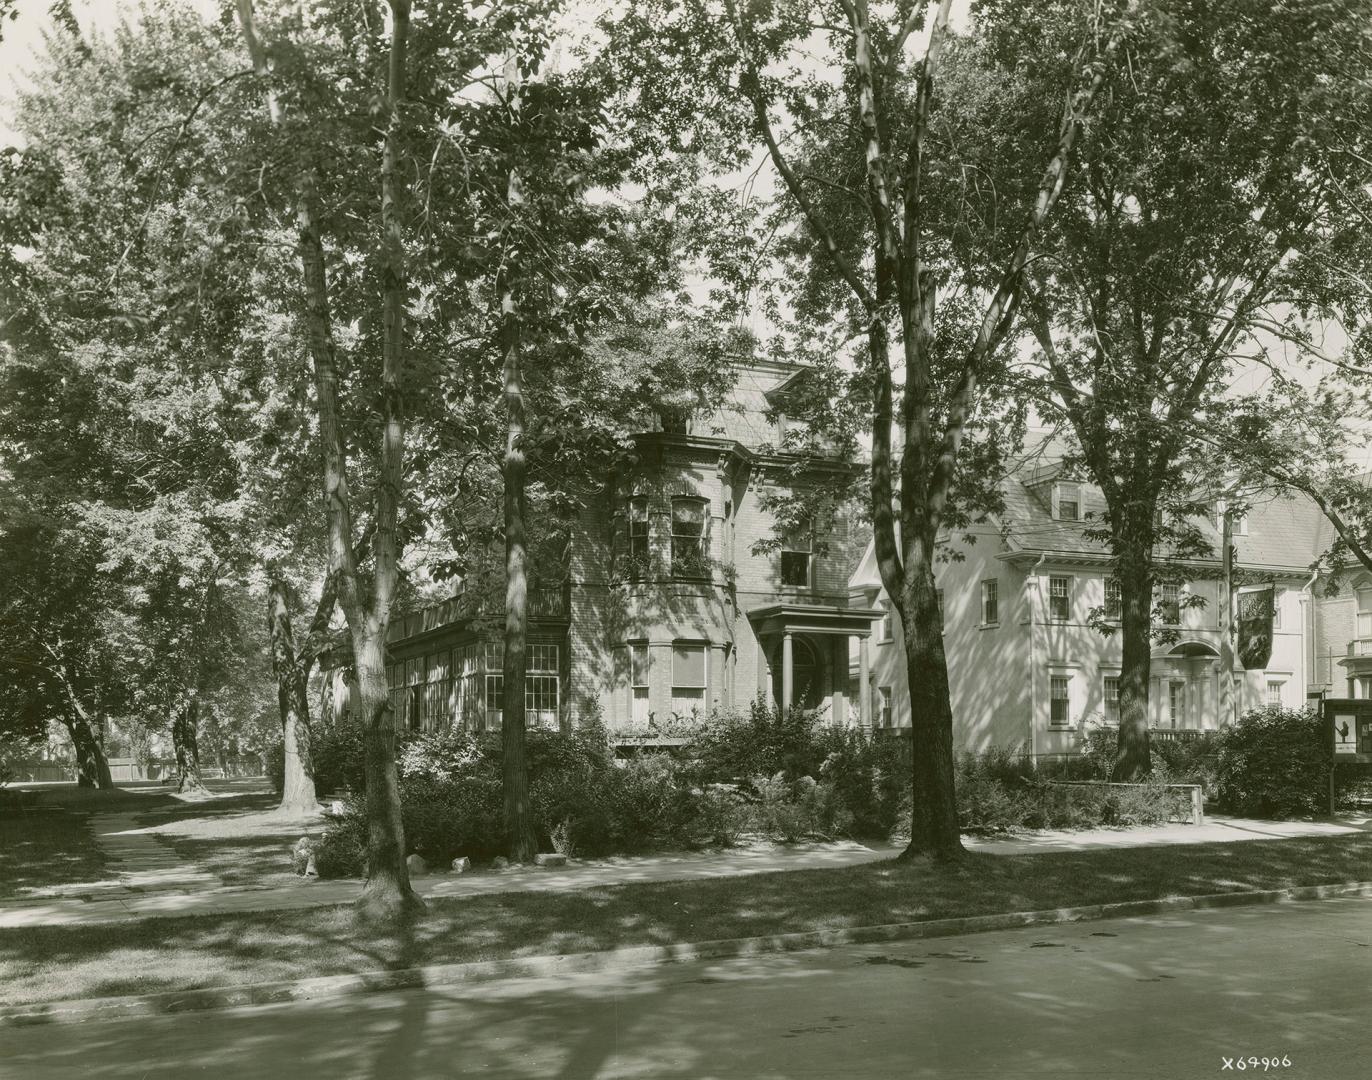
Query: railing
{"points": [[1360, 647], [544, 603]]}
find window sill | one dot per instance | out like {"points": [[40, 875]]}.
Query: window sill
{"points": [[988, 626]]}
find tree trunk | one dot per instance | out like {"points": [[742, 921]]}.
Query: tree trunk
{"points": [[387, 892], [519, 820], [934, 813], [519, 825], [92, 766], [298, 796], [387, 896], [187, 745], [1136, 608]]}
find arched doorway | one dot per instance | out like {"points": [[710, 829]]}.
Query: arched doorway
{"points": [[807, 674]]}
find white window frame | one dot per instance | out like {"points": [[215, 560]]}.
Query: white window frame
{"points": [[887, 708], [1277, 685], [885, 627], [640, 529], [1065, 596], [1277, 593], [990, 602], [1059, 490], [1065, 679], [640, 692], [700, 542], [1164, 603], [1113, 612], [1176, 702], [1110, 703], [789, 540], [1362, 618], [683, 692]]}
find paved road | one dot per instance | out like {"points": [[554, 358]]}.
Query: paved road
{"points": [[1152, 997]]}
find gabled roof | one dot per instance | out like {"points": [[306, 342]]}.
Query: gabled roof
{"points": [[1285, 533]]}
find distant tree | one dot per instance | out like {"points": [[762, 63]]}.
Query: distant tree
{"points": [[1166, 274]]}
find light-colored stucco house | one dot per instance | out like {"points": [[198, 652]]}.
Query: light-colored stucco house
{"points": [[666, 609], [1026, 669]]}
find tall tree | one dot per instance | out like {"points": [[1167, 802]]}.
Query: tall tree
{"points": [[1167, 274], [387, 893], [874, 109]]}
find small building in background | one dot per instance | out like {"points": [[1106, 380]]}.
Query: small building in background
{"points": [[1028, 666]]}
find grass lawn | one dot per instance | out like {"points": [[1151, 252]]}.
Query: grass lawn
{"points": [[43, 846], [52, 963]]}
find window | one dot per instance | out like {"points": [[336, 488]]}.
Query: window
{"points": [[990, 603], [938, 596], [436, 713], [412, 718], [1114, 603], [1059, 700], [1365, 613], [797, 547], [466, 661], [1068, 499], [1112, 699], [688, 679], [1169, 602], [638, 532], [1176, 703], [638, 682], [688, 538], [1238, 524], [1277, 594], [885, 692], [1274, 691], [495, 684], [885, 631], [541, 683], [1059, 598]]}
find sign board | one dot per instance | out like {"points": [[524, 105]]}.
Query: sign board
{"points": [[1349, 723]]}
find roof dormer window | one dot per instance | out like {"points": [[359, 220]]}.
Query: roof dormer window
{"points": [[1067, 502]]}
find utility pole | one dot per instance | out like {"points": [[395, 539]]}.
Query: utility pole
{"points": [[1228, 706]]}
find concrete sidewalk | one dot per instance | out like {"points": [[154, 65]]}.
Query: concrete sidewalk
{"points": [[759, 858], [1217, 829]]}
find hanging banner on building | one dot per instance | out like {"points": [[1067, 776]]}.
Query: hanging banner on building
{"points": [[1255, 627]]}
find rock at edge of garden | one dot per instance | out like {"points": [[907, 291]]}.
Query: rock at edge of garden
{"points": [[550, 859], [416, 865], [461, 865], [499, 862]]}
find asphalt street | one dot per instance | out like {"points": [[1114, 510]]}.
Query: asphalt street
{"points": [[1185, 995]]}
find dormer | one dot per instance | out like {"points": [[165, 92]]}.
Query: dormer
{"points": [[785, 404], [1066, 501]]}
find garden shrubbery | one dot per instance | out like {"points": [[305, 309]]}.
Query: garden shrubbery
{"points": [[787, 778], [1274, 763]]}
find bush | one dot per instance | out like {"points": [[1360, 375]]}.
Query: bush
{"points": [[1274, 763], [870, 782], [1189, 761], [342, 850], [275, 760], [733, 746], [1000, 791], [793, 810], [338, 753]]}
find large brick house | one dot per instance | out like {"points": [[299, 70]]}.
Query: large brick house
{"points": [[666, 610], [1027, 670]]}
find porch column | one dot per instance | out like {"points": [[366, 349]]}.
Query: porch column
{"points": [[787, 671], [864, 686]]}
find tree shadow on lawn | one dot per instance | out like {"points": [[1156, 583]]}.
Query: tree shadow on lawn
{"points": [[182, 953], [44, 847]]}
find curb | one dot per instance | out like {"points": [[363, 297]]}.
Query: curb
{"points": [[443, 975]]}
